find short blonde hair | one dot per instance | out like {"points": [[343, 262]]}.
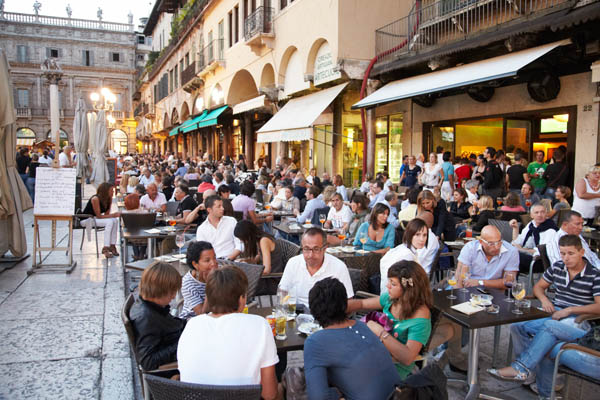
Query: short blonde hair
{"points": [[485, 203]]}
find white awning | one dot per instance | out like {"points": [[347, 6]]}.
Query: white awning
{"points": [[463, 75], [248, 105], [295, 119]]}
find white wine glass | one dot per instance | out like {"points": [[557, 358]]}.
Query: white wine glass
{"points": [[452, 281], [322, 219], [464, 277], [518, 292], [362, 238]]}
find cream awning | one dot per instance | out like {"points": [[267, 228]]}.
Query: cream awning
{"points": [[463, 75], [294, 121], [248, 105]]}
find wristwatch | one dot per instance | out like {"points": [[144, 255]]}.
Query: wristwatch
{"points": [[480, 283]]}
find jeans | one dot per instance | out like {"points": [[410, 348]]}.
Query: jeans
{"points": [[533, 342], [539, 190], [24, 178], [30, 184]]}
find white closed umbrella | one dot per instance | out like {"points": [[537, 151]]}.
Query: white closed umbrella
{"points": [[91, 119], [81, 136], [100, 171]]}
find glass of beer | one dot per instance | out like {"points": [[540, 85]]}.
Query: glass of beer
{"points": [[518, 292], [280, 323], [452, 281]]}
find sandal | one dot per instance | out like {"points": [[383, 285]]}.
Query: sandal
{"points": [[519, 377], [106, 252], [113, 250]]}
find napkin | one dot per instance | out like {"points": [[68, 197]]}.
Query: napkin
{"points": [[153, 230], [467, 308]]}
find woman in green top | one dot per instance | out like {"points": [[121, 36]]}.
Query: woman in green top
{"points": [[407, 306]]}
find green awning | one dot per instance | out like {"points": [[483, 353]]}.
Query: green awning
{"points": [[190, 124], [174, 131], [211, 117]]}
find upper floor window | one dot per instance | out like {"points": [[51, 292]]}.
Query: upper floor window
{"points": [[141, 39], [87, 58], [51, 52], [22, 54], [115, 57], [22, 98]]}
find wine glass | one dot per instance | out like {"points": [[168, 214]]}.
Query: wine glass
{"points": [[509, 280], [341, 235], [362, 238], [452, 281], [322, 219], [464, 276], [518, 292], [499, 201]]}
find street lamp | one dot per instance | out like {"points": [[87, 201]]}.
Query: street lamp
{"points": [[108, 103]]}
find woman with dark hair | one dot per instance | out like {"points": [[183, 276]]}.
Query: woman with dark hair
{"points": [[156, 331], [443, 222], [414, 239], [260, 247], [366, 372], [99, 206], [459, 208], [226, 346], [201, 260], [406, 305], [379, 233]]}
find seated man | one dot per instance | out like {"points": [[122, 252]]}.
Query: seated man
{"points": [[391, 200], [224, 192], [487, 259], [285, 200], [572, 224], [377, 193], [218, 230], [540, 230], [340, 215], [147, 178], [186, 203], [304, 270], [313, 204], [577, 285], [153, 199]]}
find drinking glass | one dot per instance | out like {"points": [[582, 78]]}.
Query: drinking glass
{"points": [[280, 323], [499, 201], [469, 232], [322, 219], [362, 238], [509, 280], [452, 281], [341, 235], [518, 292], [464, 276]]}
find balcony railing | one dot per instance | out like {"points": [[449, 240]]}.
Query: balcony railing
{"points": [[260, 21], [213, 52], [23, 112], [67, 22], [434, 23], [118, 114], [188, 74]]}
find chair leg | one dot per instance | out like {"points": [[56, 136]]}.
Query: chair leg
{"points": [[82, 239], [497, 331], [510, 350], [97, 252]]}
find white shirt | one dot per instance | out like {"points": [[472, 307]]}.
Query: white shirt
{"points": [[296, 275], [146, 181], [553, 250], [344, 216], [427, 253], [228, 350], [45, 160], [545, 238], [398, 253], [147, 203], [64, 160], [221, 237], [472, 197]]}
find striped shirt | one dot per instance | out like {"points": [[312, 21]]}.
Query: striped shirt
{"points": [[580, 291], [193, 292]]}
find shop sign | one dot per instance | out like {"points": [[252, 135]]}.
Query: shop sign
{"points": [[324, 66]]}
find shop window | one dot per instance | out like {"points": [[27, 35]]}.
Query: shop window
{"points": [[237, 141], [558, 123], [517, 137], [475, 136], [322, 148], [352, 144], [442, 138]]}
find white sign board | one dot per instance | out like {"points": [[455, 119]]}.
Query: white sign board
{"points": [[55, 191], [324, 66]]}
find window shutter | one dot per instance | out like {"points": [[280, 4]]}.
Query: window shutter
{"points": [[91, 58], [27, 54], [47, 52], [83, 57]]}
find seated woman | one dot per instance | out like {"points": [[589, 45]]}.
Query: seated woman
{"points": [[483, 213], [191, 175], [379, 233], [212, 349], [561, 194], [132, 204], [260, 248], [132, 183], [201, 259], [156, 331], [459, 208], [99, 206], [512, 203], [406, 304], [443, 221], [366, 372]]}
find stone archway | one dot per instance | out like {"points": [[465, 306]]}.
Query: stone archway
{"points": [[216, 96], [118, 141], [174, 117], [267, 77], [242, 88]]}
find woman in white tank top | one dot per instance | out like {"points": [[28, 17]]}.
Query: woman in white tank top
{"points": [[586, 195]]}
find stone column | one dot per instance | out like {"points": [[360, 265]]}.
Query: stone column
{"points": [[53, 74], [71, 94], [184, 146], [38, 91], [337, 158], [369, 152], [248, 140]]}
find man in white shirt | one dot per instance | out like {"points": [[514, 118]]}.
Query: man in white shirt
{"points": [[153, 199], [572, 224], [147, 177], [340, 215], [218, 230], [65, 159], [303, 271]]}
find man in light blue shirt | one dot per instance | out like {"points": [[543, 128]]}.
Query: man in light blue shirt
{"points": [[182, 170], [378, 194], [391, 200], [487, 259], [314, 202]]}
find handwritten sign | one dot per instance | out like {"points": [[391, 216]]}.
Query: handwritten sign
{"points": [[55, 191]]}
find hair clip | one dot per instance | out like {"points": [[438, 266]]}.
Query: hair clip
{"points": [[405, 281]]}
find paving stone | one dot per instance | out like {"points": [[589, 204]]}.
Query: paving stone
{"points": [[50, 339], [79, 279], [117, 379], [62, 379], [3, 296], [115, 345], [113, 323], [60, 303]]}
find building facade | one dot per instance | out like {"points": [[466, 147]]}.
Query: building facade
{"points": [[92, 54]]}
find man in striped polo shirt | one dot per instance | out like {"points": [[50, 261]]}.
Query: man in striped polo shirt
{"points": [[577, 285]]}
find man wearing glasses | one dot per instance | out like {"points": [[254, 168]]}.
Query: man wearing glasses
{"points": [[486, 260], [306, 269]]}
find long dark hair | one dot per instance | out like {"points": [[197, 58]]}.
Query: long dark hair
{"points": [[250, 235], [379, 208], [103, 193]]}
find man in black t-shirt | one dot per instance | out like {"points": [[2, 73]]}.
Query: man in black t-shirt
{"points": [[186, 202], [516, 174], [556, 174], [493, 178], [23, 161]]}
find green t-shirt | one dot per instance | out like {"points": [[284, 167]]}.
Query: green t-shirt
{"points": [[540, 169], [417, 329]]}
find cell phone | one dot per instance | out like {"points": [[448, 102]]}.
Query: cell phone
{"points": [[482, 291]]}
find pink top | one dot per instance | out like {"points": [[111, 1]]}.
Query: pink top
{"points": [[513, 209]]}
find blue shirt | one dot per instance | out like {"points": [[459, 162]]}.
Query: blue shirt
{"points": [[479, 266], [352, 360], [181, 171], [309, 210], [386, 241], [378, 198], [448, 169]]}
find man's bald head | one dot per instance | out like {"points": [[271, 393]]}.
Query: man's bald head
{"points": [[152, 190], [491, 233], [427, 217], [491, 240]]}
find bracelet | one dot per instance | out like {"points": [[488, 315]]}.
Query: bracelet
{"points": [[383, 335]]}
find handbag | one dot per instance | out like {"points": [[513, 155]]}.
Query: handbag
{"points": [[380, 318]]}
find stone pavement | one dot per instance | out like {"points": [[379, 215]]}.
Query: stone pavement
{"points": [[62, 337]]}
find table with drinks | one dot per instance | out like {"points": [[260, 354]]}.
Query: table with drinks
{"points": [[152, 234]]}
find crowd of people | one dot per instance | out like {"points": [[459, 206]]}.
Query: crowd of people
{"points": [[406, 222]]}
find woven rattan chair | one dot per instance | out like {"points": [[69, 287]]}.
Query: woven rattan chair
{"points": [[368, 265], [168, 389], [253, 273], [288, 249], [561, 369], [172, 207], [504, 228]]}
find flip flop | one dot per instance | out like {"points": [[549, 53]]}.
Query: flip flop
{"points": [[520, 377]]}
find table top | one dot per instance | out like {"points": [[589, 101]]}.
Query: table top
{"points": [[482, 319], [142, 234], [594, 235], [284, 226], [141, 265], [294, 340]]}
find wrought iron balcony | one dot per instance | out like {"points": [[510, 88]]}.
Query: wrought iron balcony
{"points": [[189, 80], [211, 57], [258, 28], [435, 23]]}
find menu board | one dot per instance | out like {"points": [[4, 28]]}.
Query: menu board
{"points": [[55, 191]]}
